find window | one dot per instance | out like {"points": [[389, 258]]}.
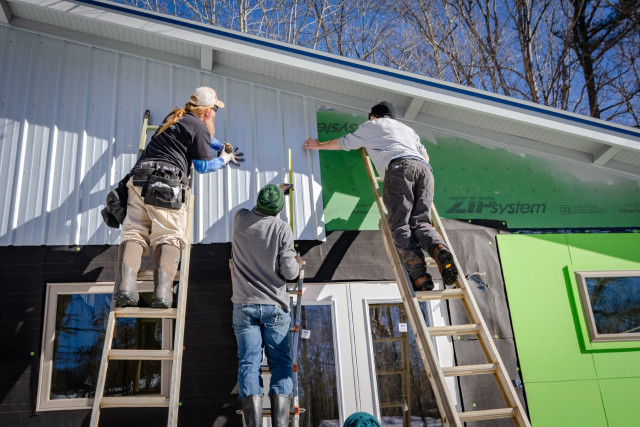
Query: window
{"points": [[611, 303], [317, 367], [404, 396], [76, 316]]}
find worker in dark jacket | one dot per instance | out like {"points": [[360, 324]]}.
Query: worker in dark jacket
{"points": [[263, 259], [407, 192], [156, 209]]}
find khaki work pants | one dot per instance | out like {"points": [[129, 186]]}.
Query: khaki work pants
{"points": [[152, 225]]}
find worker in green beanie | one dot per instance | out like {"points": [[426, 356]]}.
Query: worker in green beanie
{"points": [[264, 257]]}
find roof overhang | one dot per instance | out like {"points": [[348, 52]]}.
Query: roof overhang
{"points": [[438, 105]]}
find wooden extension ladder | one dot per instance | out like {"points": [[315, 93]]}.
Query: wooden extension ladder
{"points": [[170, 399], [492, 366]]}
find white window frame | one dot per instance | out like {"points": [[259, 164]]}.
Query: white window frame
{"points": [[594, 335], [44, 402]]}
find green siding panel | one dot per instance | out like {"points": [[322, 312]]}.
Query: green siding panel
{"points": [[569, 381], [565, 404], [620, 398], [543, 325]]}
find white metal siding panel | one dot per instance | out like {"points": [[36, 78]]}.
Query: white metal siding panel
{"points": [[70, 118]]}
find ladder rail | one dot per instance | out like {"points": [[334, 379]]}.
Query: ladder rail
{"points": [[178, 315], [102, 373], [486, 341], [176, 368], [294, 348], [423, 337]]}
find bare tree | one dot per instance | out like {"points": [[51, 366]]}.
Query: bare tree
{"points": [[581, 57]]}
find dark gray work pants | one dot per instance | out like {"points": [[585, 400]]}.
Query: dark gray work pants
{"points": [[408, 194]]}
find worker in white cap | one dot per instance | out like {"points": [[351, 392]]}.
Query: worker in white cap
{"points": [[156, 209]]}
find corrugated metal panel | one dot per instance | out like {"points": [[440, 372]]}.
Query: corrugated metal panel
{"points": [[68, 133]]}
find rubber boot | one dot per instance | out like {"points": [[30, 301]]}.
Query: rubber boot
{"points": [[252, 410], [125, 292], [280, 407], [167, 258]]}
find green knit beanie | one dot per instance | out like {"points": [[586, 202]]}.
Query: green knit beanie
{"points": [[361, 419], [270, 199]]}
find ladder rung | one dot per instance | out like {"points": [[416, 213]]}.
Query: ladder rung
{"points": [[393, 405], [398, 372], [440, 294], [128, 354], [134, 402], [488, 414], [147, 276], [390, 339], [458, 371], [267, 412], [443, 331], [147, 313]]}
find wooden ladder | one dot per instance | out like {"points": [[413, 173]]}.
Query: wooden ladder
{"points": [[170, 399], [424, 335]]}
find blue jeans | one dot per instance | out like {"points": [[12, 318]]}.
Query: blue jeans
{"points": [[258, 327]]}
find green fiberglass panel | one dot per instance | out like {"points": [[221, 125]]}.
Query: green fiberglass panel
{"points": [[479, 182], [565, 404]]}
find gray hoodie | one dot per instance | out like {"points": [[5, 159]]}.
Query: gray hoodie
{"points": [[263, 258]]}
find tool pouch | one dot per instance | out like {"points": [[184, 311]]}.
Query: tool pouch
{"points": [[116, 204], [141, 176], [163, 191]]}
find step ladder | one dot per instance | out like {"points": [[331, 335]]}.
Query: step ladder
{"points": [[168, 399], [436, 374], [295, 307]]}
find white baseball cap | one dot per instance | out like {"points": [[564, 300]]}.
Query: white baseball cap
{"points": [[206, 97]]}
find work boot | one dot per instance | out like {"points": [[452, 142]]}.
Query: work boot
{"points": [[423, 283], [167, 258], [447, 267], [252, 410], [280, 407], [125, 291]]}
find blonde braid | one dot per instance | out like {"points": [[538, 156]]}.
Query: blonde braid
{"points": [[177, 114]]}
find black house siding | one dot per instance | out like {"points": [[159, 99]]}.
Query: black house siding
{"points": [[209, 372]]}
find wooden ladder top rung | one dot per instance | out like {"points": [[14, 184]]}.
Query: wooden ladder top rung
{"points": [[129, 354], [135, 402], [440, 294], [147, 313], [488, 414], [458, 371], [443, 331]]}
